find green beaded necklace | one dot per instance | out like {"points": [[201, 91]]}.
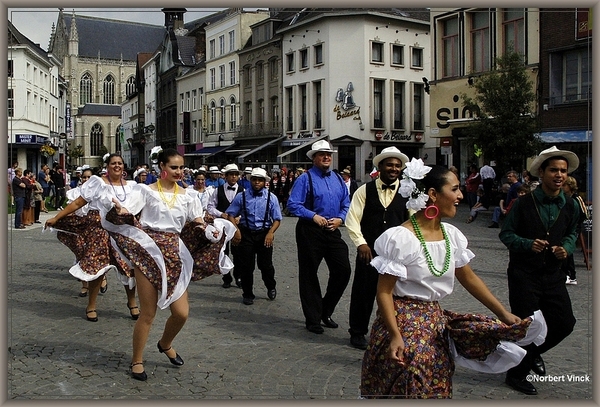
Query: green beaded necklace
{"points": [[432, 269]]}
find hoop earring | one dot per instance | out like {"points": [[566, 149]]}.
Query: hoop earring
{"points": [[163, 174], [435, 208]]}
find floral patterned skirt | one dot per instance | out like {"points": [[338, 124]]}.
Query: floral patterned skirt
{"points": [[428, 367]]}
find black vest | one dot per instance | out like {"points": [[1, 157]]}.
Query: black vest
{"points": [[529, 225], [376, 219], [222, 201]]}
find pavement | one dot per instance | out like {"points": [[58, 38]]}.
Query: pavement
{"points": [[233, 351]]}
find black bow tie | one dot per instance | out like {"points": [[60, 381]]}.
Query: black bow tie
{"points": [[551, 200], [327, 174], [257, 193], [384, 187], [231, 188]]}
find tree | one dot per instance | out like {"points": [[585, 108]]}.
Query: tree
{"points": [[505, 128]]}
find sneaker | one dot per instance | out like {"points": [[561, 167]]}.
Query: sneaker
{"points": [[571, 281]]}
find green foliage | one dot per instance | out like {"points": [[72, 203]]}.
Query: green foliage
{"points": [[506, 128]]}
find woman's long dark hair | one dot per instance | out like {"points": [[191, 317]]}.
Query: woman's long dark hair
{"points": [[165, 155], [436, 178]]}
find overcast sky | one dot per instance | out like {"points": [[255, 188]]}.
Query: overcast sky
{"points": [[36, 23]]}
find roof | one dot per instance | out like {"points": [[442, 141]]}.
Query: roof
{"points": [[94, 109], [186, 47], [289, 18], [114, 39], [19, 39]]}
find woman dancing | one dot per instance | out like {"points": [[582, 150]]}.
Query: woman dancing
{"points": [[163, 265], [410, 354], [92, 247]]}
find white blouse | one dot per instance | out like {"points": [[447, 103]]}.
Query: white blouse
{"points": [[400, 254], [99, 194]]}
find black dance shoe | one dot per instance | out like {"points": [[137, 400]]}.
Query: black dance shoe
{"points": [[138, 376], [538, 366], [522, 385], [329, 323], [177, 361]]}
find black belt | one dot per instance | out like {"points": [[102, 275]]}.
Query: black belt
{"points": [[254, 232]]}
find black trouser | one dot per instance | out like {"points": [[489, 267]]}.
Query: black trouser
{"points": [[228, 278], [488, 184], [251, 248], [315, 244], [362, 299], [59, 197], [544, 290], [569, 267], [36, 211]]}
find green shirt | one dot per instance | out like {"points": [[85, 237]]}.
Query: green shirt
{"points": [[548, 214]]}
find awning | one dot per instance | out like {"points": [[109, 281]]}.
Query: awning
{"points": [[240, 158], [209, 151], [574, 136], [308, 142]]}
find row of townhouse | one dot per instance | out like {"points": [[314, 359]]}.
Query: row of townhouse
{"points": [[258, 87]]}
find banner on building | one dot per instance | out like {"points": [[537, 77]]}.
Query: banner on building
{"points": [[68, 126]]}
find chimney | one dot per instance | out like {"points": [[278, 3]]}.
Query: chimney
{"points": [[173, 18]]}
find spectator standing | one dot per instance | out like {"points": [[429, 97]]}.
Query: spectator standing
{"points": [[28, 206], [488, 175], [43, 179], [500, 211], [471, 184], [11, 176], [214, 177], [540, 231], [219, 201], [350, 183], [259, 217], [375, 207], [19, 191], [320, 200], [59, 186], [38, 198], [570, 189]]}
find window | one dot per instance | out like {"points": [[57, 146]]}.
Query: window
{"points": [[232, 113], [249, 112], [213, 117], [376, 52], [221, 44], [109, 90], [260, 73], [480, 42], [194, 131], [194, 97], [513, 28], [417, 58], [232, 73], [222, 118], [181, 103], [418, 108], [274, 69], [275, 112], [397, 55], [302, 89], [85, 89], [213, 78], [290, 62], [248, 76], [318, 105], [222, 75], [96, 139], [11, 103], [290, 109], [261, 111], [398, 105], [130, 87], [450, 48], [10, 68], [211, 49], [318, 50], [570, 76], [231, 41], [304, 58], [378, 87], [187, 101]]}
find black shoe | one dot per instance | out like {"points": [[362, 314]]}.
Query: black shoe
{"points": [[494, 225], [226, 285], [521, 385], [538, 366], [104, 288], [177, 361], [248, 301], [329, 323], [138, 376], [316, 329], [359, 341], [272, 294], [91, 319], [238, 282]]}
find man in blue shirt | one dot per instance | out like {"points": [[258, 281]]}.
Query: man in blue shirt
{"points": [[214, 177], [320, 199], [260, 218], [513, 180], [244, 180]]}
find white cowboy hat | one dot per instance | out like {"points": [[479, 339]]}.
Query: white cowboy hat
{"points": [[260, 173], [201, 169], [247, 170], [345, 171], [231, 168], [571, 158], [139, 172], [390, 152], [79, 169], [321, 145], [84, 167], [213, 169]]}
